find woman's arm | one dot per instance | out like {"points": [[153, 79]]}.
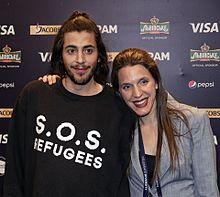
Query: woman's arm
{"points": [[204, 157]]}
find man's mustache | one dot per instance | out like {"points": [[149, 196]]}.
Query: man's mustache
{"points": [[81, 66]]}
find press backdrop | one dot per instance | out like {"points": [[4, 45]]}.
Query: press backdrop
{"points": [[182, 36]]}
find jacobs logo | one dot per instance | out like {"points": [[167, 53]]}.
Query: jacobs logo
{"points": [[44, 29], [6, 112], [154, 27], [205, 54], [213, 112]]}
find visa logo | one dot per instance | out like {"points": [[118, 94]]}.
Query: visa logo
{"points": [[204, 27]]}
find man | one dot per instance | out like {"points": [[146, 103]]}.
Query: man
{"points": [[71, 138]]}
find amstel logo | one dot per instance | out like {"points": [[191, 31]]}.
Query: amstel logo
{"points": [[204, 54], [8, 56], [154, 27]]}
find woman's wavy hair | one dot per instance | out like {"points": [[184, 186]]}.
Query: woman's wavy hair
{"points": [[134, 56], [79, 22]]}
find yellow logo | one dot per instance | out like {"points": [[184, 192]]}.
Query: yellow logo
{"points": [[213, 112], [6, 112], [44, 29]]}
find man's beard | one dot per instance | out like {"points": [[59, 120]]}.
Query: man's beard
{"points": [[81, 81]]}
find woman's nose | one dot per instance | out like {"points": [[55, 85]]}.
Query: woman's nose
{"points": [[137, 92]]}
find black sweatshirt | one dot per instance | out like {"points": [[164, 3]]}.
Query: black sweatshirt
{"points": [[65, 145]]}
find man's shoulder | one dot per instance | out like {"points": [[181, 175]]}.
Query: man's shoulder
{"points": [[35, 85]]}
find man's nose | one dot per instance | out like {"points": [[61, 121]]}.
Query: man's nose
{"points": [[80, 57]]}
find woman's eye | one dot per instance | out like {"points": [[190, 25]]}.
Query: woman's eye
{"points": [[126, 87], [143, 81]]}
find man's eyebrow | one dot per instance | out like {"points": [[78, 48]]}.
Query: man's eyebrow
{"points": [[70, 46], [89, 46], [73, 46]]}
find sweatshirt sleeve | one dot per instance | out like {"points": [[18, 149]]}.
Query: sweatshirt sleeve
{"points": [[127, 129], [14, 174]]}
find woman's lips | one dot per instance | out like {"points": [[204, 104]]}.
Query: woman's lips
{"points": [[141, 103]]}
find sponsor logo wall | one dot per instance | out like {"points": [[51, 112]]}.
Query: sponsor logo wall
{"points": [[181, 37]]}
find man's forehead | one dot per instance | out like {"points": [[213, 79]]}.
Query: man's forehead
{"points": [[80, 39], [90, 34]]}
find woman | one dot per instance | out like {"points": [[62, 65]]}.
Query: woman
{"points": [[173, 151]]}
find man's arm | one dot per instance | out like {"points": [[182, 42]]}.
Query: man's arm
{"points": [[14, 174]]}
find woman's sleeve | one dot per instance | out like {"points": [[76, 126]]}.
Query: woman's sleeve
{"points": [[204, 157]]}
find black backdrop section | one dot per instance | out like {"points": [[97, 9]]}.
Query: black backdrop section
{"points": [[182, 36]]}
